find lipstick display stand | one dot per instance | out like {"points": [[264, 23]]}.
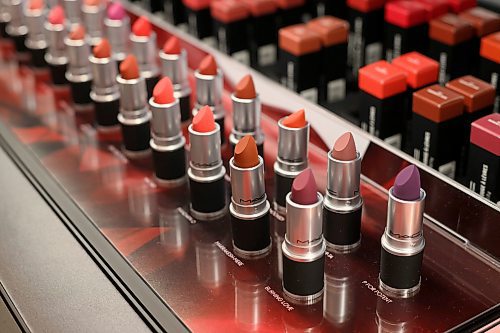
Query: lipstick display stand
{"points": [[182, 274]]}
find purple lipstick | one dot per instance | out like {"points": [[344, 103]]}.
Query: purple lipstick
{"points": [[407, 184]]}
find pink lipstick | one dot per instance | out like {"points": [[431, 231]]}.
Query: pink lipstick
{"points": [[34, 14], [167, 142], [117, 27], [93, 16], [304, 246], [56, 53], [403, 241]]}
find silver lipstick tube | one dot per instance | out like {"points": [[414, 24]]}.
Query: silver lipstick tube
{"points": [[93, 17], [104, 77], [72, 9], [246, 120], [118, 32], [56, 53], [78, 60], [35, 20], [205, 164], [209, 92], [133, 100], [166, 133], [16, 26], [175, 67], [144, 48], [4, 11]]}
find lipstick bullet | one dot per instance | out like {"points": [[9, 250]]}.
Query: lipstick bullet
{"points": [[174, 65], [73, 9], [143, 40], [36, 43], [167, 141], [209, 85], [134, 114], [93, 16], [206, 171], [117, 27], [343, 203], [403, 241], [293, 140], [304, 246], [56, 53], [17, 30], [249, 206], [246, 114], [105, 92]]}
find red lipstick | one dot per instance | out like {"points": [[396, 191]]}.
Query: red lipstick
{"points": [[304, 246], [167, 142], [93, 17], [206, 171], [56, 53], [174, 65], [117, 28], [134, 114], [36, 42], [249, 206]]}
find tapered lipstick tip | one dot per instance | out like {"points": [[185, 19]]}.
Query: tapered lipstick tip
{"points": [[204, 121], [102, 49], [407, 184], [78, 33], [116, 11], [344, 149], [172, 46], [56, 15], [36, 4], [92, 3], [163, 93], [245, 89], [129, 69], [208, 66], [295, 120], [142, 27], [246, 154], [304, 189]]}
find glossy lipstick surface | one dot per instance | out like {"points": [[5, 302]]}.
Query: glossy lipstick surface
{"points": [[304, 188], [117, 28]]}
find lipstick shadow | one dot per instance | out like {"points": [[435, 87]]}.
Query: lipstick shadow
{"points": [[263, 32], [117, 28], [35, 13], [290, 12], [490, 64], [56, 53]]}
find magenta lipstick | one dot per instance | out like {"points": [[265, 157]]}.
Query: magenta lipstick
{"points": [[403, 241], [56, 53], [17, 29], [343, 203], [174, 65], [93, 17], [34, 14], [117, 27], [249, 206], [304, 246], [167, 142]]}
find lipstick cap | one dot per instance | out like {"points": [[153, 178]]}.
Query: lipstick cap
{"points": [[261, 7], [477, 93], [437, 103], [490, 47], [366, 6], [420, 70], [484, 21], [299, 40], [405, 14], [435, 8], [485, 133], [458, 6], [289, 4], [449, 29], [332, 30], [382, 80], [228, 11]]}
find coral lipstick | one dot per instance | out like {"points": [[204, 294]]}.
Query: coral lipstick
{"points": [[167, 142], [117, 28], [246, 114], [343, 203], [143, 40], [134, 114], [249, 206], [93, 16], [56, 54], [304, 246], [36, 42], [174, 65], [209, 90], [206, 171]]}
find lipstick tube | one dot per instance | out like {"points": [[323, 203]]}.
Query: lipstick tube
{"points": [[490, 64], [403, 241], [56, 53], [263, 32], [73, 10], [93, 16], [4, 18], [175, 12], [117, 27], [36, 41], [17, 29]]}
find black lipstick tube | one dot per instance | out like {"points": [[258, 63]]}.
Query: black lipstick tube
{"points": [[78, 72], [56, 53], [18, 31], [35, 41], [144, 48]]}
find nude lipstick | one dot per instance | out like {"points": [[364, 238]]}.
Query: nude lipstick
{"points": [[343, 202], [167, 142], [174, 65], [93, 16], [403, 241], [246, 114], [206, 171], [304, 246], [56, 53], [117, 27], [143, 40], [36, 42], [209, 91], [78, 72], [134, 114], [17, 29], [249, 206], [292, 158], [105, 92]]}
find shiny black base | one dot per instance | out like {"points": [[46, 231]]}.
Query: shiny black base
{"points": [[58, 74], [400, 272], [106, 113], [303, 278], [251, 235], [136, 137], [38, 58], [208, 198], [81, 92], [283, 187], [169, 165], [342, 229]]}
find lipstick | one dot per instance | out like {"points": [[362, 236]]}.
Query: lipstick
{"points": [[174, 65], [343, 203], [246, 114], [34, 14], [403, 241], [434, 8], [73, 10], [17, 29], [143, 40], [117, 27], [458, 6], [105, 92], [249, 206], [490, 64], [167, 142], [206, 171], [78, 72], [93, 16], [292, 158], [200, 22], [56, 53], [4, 18], [290, 12], [209, 91], [304, 246], [134, 115]]}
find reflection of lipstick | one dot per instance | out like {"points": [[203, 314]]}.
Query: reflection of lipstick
{"points": [[143, 40], [293, 141], [304, 247], [117, 26], [343, 203], [174, 66], [17, 29], [246, 114], [134, 115], [93, 15], [249, 206], [37, 44], [78, 72], [73, 11], [209, 90], [206, 172], [56, 53], [403, 241], [167, 141], [105, 92]]}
